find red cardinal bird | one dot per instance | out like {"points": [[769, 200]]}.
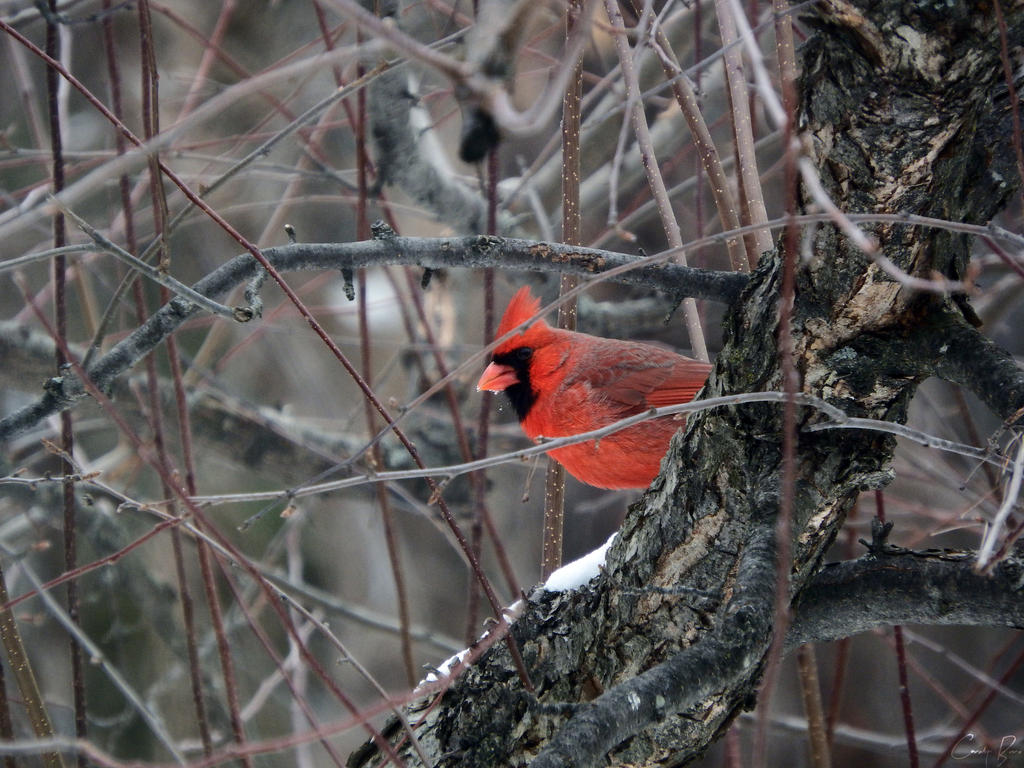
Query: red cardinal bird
{"points": [[564, 383]]}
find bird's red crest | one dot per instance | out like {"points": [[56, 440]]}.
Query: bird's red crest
{"points": [[523, 306]]}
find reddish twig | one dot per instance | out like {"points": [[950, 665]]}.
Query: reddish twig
{"points": [[67, 435], [901, 665]]}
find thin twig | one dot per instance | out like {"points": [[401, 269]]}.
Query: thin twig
{"points": [[751, 197], [554, 479], [710, 160], [100, 660], [223, 546], [154, 274], [57, 128], [296, 643], [840, 421], [210, 110], [478, 84], [980, 675], [901, 666], [1010, 499], [155, 415], [901, 430], [654, 177], [21, 667], [383, 500], [788, 475], [364, 673], [810, 691]]}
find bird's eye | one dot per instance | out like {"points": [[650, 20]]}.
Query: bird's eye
{"points": [[524, 353]]}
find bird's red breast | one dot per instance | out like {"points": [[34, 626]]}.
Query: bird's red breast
{"points": [[563, 383]]}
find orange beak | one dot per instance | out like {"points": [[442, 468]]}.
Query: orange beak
{"points": [[497, 378]]}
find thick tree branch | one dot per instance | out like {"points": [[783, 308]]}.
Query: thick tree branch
{"points": [[892, 586], [903, 586], [965, 356], [718, 659]]}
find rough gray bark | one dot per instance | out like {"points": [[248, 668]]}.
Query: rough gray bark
{"points": [[901, 586], [906, 111]]}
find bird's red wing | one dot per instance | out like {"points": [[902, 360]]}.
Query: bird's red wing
{"points": [[640, 376], [681, 387]]}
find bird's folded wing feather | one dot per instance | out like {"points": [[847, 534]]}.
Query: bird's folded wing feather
{"points": [[636, 378]]}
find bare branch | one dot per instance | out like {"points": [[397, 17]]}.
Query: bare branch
{"points": [[715, 662], [97, 657], [988, 544], [654, 178], [63, 392], [839, 421], [903, 586], [961, 354]]}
